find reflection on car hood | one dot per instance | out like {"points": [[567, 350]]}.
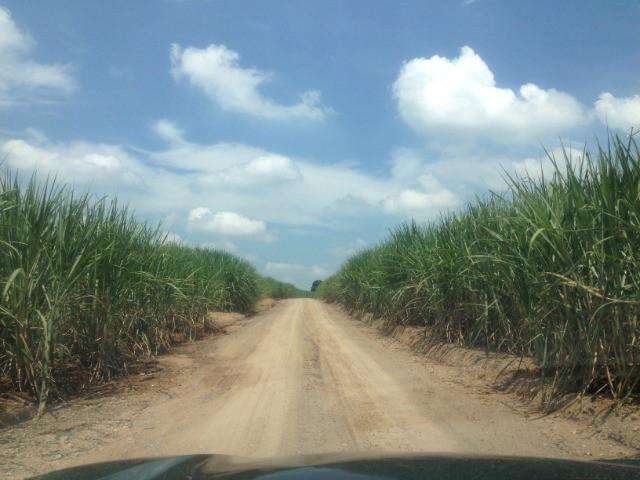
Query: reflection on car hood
{"points": [[321, 467]]}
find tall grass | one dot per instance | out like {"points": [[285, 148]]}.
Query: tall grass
{"points": [[273, 288], [549, 270], [86, 288]]}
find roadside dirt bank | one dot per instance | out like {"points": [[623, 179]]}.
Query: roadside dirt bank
{"points": [[16, 407], [516, 376], [300, 378]]}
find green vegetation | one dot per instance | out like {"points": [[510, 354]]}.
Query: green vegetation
{"points": [[272, 288], [550, 270], [315, 285], [87, 289]]}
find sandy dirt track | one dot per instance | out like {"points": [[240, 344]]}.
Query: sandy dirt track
{"points": [[302, 378]]}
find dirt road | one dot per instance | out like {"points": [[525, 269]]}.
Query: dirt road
{"points": [[301, 378]]}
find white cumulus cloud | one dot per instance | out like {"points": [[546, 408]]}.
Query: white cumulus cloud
{"points": [[266, 169], [430, 199], [225, 223], [76, 162], [20, 76], [622, 113], [217, 72], [252, 188], [459, 97]]}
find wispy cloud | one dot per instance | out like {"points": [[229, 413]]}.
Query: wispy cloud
{"points": [[22, 79], [217, 72]]}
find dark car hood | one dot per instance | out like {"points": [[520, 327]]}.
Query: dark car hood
{"points": [[321, 467]]}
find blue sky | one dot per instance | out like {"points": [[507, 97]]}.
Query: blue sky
{"points": [[295, 133]]}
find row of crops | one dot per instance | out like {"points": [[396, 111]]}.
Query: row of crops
{"points": [[87, 289], [549, 270]]}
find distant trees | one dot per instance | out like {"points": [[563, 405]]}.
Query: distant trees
{"points": [[272, 288], [315, 285]]}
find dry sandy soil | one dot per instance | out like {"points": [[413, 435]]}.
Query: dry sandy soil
{"points": [[301, 378]]}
